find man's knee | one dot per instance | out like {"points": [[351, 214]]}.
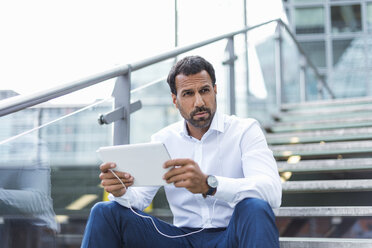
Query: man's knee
{"points": [[103, 209], [253, 207]]}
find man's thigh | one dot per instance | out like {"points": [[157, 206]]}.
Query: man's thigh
{"points": [[144, 231]]}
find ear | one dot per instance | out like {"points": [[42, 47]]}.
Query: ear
{"points": [[174, 100], [215, 88]]}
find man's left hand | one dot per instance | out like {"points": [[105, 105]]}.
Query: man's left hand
{"points": [[186, 173]]}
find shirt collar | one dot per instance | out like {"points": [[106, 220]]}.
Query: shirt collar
{"points": [[217, 124]]}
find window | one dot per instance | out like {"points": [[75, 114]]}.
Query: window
{"points": [[339, 48], [309, 20], [316, 51], [346, 18], [369, 17]]}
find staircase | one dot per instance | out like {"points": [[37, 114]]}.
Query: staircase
{"points": [[324, 154]]}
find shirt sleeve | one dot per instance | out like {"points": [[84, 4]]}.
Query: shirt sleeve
{"points": [[136, 197], [261, 178]]}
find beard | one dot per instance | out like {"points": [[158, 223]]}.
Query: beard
{"points": [[201, 122]]}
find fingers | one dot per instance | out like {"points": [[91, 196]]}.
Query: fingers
{"points": [[106, 166], [185, 173], [112, 188], [108, 179], [175, 171], [182, 184], [177, 162], [115, 187], [109, 182], [180, 177], [110, 175]]}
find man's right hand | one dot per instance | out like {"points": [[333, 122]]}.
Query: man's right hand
{"points": [[110, 183]]}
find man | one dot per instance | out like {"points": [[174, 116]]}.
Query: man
{"points": [[223, 178]]}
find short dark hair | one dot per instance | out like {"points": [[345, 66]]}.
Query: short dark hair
{"points": [[189, 66]]}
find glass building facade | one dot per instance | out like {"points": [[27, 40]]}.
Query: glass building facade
{"points": [[337, 35]]}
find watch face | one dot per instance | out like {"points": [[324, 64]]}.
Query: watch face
{"points": [[212, 181]]}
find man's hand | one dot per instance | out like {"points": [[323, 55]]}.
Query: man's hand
{"points": [[186, 173], [110, 183]]}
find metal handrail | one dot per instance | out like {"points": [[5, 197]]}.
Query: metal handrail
{"points": [[20, 102]]}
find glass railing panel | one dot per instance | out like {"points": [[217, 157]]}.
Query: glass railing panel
{"points": [[19, 122], [26, 119], [150, 74], [241, 76], [349, 77], [291, 69], [261, 59], [49, 176], [312, 93], [157, 111], [26, 206], [150, 87], [350, 82]]}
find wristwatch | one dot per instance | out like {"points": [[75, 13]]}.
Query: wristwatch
{"points": [[212, 183]]}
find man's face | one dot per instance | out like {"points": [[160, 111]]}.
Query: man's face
{"points": [[196, 99]]}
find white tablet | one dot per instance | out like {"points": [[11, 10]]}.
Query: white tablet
{"points": [[143, 161]]}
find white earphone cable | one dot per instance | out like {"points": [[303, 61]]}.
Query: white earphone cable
{"points": [[149, 217]]}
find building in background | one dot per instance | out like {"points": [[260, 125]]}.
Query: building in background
{"points": [[337, 35]]}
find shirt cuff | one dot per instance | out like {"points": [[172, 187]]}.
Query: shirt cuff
{"points": [[122, 200], [226, 189]]}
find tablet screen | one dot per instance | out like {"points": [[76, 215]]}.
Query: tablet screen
{"points": [[143, 161]]}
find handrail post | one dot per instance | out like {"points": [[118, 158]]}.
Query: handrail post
{"points": [[121, 93], [246, 51], [302, 78], [278, 65], [231, 64]]}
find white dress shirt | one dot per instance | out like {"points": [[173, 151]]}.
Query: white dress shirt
{"points": [[235, 151]]}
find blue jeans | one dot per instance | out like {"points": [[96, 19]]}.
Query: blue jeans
{"points": [[112, 225]]}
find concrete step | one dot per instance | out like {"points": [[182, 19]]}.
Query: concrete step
{"points": [[357, 211], [324, 243], [330, 111], [323, 149], [320, 124], [342, 134], [329, 115], [322, 186], [327, 103], [69, 240], [327, 165]]}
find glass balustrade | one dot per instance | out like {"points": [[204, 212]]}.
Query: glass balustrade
{"points": [[49, 175]]}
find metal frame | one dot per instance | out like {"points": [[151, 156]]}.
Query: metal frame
{"points": [[121, 114]]}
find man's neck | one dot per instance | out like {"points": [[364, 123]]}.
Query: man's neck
{"points": [[196, 132]]}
